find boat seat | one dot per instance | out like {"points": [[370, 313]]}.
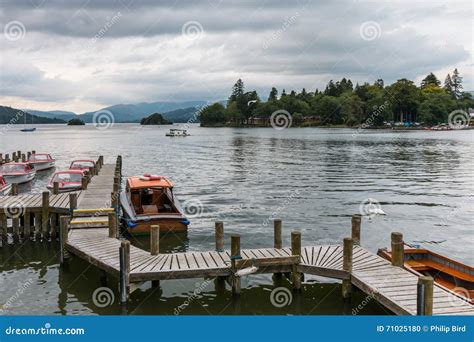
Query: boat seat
{"points": [[150, 209]]}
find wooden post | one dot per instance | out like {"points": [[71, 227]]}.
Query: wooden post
{"points": [[7, 158], [3, 222], [347, 266], [397, 249], [28, 154], [14, 157], [72, 202], [112, 225], [155, 240], [63, 237], [124, 271], [37, 233], [16, 227], [234, 256], [14, 189], [116, 187], [424, 296], [219, 227], [56, 188], [23, 157], [45, 214], [296, 250], [277, 241], [84, 183], [356, 221], [27, 224], [114, 200]]}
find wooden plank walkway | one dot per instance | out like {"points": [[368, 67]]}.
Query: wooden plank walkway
{"points": [[33, 202], [393, 287]]}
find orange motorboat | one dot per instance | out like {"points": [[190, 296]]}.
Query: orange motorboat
{"points": [[448, 273], [149, 200]]}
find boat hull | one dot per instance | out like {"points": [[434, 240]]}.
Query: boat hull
{"points": [[6, 190], [143, 227], [43, 166], [19, 179]]}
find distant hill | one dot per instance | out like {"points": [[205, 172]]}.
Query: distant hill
{"points": [[53, 114], [183, 115], [14, 116], [135, 112], [155, 119]]}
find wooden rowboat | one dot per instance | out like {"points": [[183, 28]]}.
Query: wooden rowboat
{"points": [[149, 200], [448, 273]]}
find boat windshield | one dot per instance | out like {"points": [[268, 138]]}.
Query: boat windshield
{"points": [[12, 168], [39, 157], [81, 165], [68, 178]]}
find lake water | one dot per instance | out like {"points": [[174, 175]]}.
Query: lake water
{"points": [[314, 179]]}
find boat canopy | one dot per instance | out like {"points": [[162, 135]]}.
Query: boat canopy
{"points": [[40, 157], [149, 182]]}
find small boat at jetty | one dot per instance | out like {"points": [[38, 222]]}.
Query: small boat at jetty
{"points": [[17, 172], [5, 189], [82, 164], [177, 132], [41, 161], [149, 200], [450, 274], [68, 180]]}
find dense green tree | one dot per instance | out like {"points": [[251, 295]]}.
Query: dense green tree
{"points": [[351, 109], [435, 108], [213, 114], [328, 109], [405, 99], [273, 96], [430, 80], [457, 84], [448, 85]]}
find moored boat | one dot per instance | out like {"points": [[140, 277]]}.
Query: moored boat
{"points": [[177, 132], [69, 180], [41, 161], [149, 200], [82, 164], [5, 189], [17, 172], [448, 273]]}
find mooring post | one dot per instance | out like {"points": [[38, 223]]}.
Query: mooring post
{"points": [[114, 197], [424, 296], [56, 188], [124, 271], [23, 157], [28, 154], [27, 224], [84, 182], [397, 249], [14, 189], [277, 240], [112, 225], [3, 222], [234, 256], [45, 214], [347, 267], [72, 202], [296, 250], [16, 227], [14, 157], [219, 227], [63, 237], [155, 239], [356, 221]]}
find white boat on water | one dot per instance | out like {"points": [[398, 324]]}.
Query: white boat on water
{"points": [[177, 132], [17, 173], [41, 161]]}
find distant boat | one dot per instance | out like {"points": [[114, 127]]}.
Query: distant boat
{"points": [[176, 132], [28, 129]]}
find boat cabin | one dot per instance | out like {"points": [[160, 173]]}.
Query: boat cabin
{"points": [[82, 164], [40, 158], [15, 169], [151, 195]]}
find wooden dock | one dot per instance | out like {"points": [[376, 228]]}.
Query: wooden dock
{"points": [[89, 229]]}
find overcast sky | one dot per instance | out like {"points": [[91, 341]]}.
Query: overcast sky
{"points": [[82, 55]]}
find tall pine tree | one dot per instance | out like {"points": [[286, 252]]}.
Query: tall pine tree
{"points": [[457, 86]]}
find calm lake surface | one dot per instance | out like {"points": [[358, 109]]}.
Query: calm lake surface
{"points": [[314, 179]]}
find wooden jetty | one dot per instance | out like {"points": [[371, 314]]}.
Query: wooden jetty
{"points": [[90, 230]]}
